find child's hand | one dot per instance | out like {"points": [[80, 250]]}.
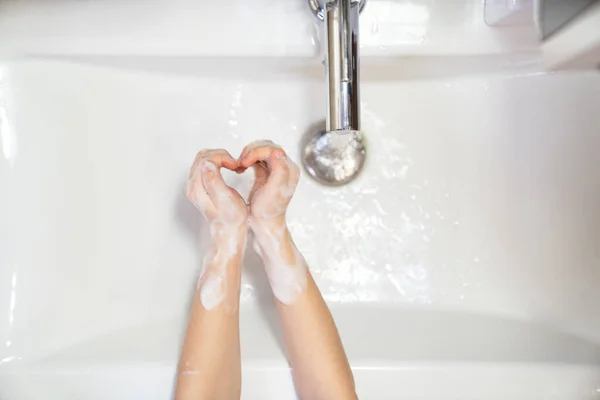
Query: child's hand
{"points": [[222, 206], [227, 215], [275, 182]]}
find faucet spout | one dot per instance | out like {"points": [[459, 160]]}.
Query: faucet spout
{"points": [[336, 155], [342, 64]]}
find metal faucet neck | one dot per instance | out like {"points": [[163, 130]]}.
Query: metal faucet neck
{"points": [[342, 64]]}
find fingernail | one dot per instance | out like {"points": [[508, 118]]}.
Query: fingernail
{"points": [[280, 155], [208, 166]]}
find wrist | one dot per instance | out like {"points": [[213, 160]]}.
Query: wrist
{"points": [[272, 239], [224, 234], [268, 225]]}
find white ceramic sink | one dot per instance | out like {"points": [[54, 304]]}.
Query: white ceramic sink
{"points": [[463, 263]]}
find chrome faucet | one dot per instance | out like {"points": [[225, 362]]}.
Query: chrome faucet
{"points": [[337, 155], [342, 64]]}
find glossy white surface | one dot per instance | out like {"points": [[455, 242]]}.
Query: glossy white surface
{"points": [[480, 212], [463, 263], [241, 28]]}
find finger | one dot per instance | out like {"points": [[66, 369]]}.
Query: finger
{"points": [[213, 180], [260, 146], [198, 195], [196, 162], [220, 157], [279, 171], [255, 145], [261, 175], [260, 154], [214, 183]]}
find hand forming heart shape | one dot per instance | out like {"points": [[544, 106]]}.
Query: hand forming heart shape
{"points": [[276, 177], [228, 216]]}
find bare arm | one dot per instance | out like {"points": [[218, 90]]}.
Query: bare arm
{"points": [[319, 365], [209, 367]]}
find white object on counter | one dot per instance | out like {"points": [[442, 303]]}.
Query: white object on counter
{"points": [[508, 12]]}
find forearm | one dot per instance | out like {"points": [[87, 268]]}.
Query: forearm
{"points": [[318, 361], [209, 367], [319, 364]]}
